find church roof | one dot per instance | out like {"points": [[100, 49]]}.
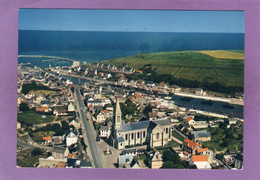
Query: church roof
{"points": [[134, 126], [143, 125], [162, 122]]}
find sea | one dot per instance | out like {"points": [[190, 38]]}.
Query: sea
{"points": [[99, 46]]}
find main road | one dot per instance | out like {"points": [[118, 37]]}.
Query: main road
{"points": [[89, 129]]}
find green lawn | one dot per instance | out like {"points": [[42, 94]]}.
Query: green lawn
{"points": [[31, 117], [175, 134]]}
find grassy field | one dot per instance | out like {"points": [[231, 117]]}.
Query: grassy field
{"points": [[175, 134], [190, 65], [46, 92], [30, 117], [224, 54], [37, 137]]}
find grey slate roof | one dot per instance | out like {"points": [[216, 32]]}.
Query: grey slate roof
{"points": [[143, 125], [59, 149], [134, 126], [204, 133], [104, 127], [68, 132]]}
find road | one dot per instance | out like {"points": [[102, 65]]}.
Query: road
{"points": [[33, 145], [88, 127]]}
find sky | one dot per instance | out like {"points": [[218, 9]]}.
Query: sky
{"points": [[132, 20]]}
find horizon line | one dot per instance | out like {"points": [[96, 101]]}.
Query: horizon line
{"points": [[126, 31]]}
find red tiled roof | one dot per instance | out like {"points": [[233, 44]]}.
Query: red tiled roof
{"points": [[48, 138], [199, 158], [188, 119], [70, 155], [41, 108], [202, 150], [191, 144]]}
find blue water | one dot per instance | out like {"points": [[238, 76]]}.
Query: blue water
{"points": [[97, 46]]}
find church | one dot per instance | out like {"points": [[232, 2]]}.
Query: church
{"points": [[153, 133]]}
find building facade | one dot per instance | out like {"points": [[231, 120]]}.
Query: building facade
{"points": [[152, 133]]}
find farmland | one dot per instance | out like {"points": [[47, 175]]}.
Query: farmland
{"points": [[224, 54]]}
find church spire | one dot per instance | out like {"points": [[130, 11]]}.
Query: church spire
{"points": [[117, 116]]}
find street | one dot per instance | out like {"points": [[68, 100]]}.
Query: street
{"points": [[88, 128]]}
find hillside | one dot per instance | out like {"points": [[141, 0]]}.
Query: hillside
{"points": [[220, 68]]}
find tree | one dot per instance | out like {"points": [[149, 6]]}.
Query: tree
{"points": [[37, 152], [24, 107], [168, 165], [59, 132], [56, 126], [147, 110], [65, 126]]}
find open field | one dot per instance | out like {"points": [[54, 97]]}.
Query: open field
{"points": [[30, 117], [37, 136], [46, 92], [189, 65], [224, 54]]}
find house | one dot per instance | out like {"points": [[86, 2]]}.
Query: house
{"points": [[60, 112], [162, 85], [100, 117], [200, 125], [71, 137], [105, 131], [200, 161], [43, 109], [59, 152], [189, 120], [57, 139], [156, 160], [122, 80], [18, 125], [75, 123], [190, 146], [232, 121], [200, 151], [71, 107], [201, 136], [77, 163], [127, 161], [47, 139], [132, 152]]}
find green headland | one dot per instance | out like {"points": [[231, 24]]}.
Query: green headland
{"points": [[216, 70]]}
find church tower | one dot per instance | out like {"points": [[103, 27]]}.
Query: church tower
{"points": [[117, 116]]}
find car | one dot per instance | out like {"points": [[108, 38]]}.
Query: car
{"points": [[97, 138]]}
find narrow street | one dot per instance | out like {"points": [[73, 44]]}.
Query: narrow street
{"points": [[88, 128]]}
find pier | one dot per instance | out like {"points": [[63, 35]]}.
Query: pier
{"points": [[53, 58]]}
